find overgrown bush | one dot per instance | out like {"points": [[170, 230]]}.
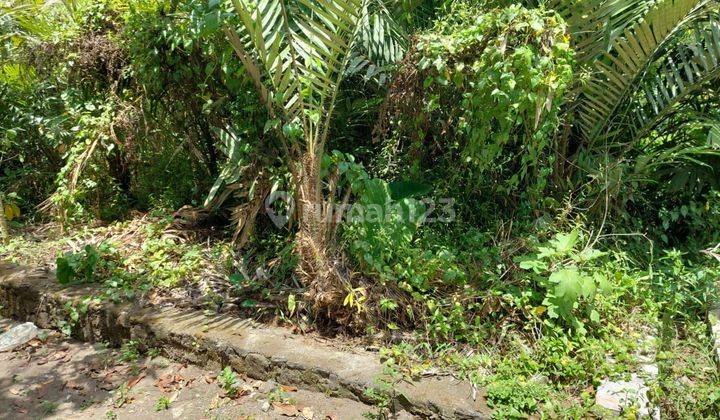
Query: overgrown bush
{"points": [[476, 103]]}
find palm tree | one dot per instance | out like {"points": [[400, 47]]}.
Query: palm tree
{"points": [[647, 61], [645, 57], [297, 52]]}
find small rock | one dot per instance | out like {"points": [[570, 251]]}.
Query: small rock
{"points": [[651, 370], [540, 379], [267, 387], [403, 415], [18, 335], [177, 412], [307, 413], [264, 405], [620, 395]]}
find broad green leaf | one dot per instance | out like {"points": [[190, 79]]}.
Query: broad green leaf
{"points": [[408, 189], [65, 274], [568, 284], [537, 266], [565, 242]]}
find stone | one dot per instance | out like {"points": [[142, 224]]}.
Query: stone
{"points": [[177, 412], [714, 320], [267, 386], [264, 405], [17, 336], [622, 395]]}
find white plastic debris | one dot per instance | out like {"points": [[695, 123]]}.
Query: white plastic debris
{"points": [[18, 335]]}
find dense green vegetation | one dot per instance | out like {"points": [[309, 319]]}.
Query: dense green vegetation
{"points": [[533, 185]]}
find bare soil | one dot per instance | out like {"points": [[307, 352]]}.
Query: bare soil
{"points": [[58, 377]]}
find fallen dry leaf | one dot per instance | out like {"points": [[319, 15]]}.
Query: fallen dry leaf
{"points": [[288, 388], [72, 384], [210, 378], [35, 342], [20, 410], [288, 410], [169, 382], [134, 381], [42, 389]]}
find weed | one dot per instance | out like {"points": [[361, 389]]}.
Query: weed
{"points": [[227, 380], [129, 351], [49, 407], [163, 403], [86, 404], [384, 392], [277, 395], [513, 398]]}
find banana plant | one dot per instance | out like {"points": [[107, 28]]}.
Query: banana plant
{"points": [[297, 53]]}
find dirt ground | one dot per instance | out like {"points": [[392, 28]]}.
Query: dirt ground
{"points": [[57, 377]]}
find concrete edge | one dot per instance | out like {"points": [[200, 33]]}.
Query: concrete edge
{"points": [[259, 352]]}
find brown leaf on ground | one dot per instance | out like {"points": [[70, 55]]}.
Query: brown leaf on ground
{"points": [[35, 342], [107, 386], [218, 402], [169, 382], [110, 380], [288, 388], [288, 410], [42, 389], [134, 381], [236, 393], [72, 384], [210, 378]]}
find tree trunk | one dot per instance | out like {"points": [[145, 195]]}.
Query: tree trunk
{"points": [[320, 265], [4, 230]]}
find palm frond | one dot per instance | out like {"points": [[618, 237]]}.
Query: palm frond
{"points": [[382, 41], [299, 51], [629, 60], [676, 76], [596, 24]]}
